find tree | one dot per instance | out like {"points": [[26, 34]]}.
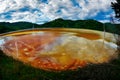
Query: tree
{"points": [[116, 7]]}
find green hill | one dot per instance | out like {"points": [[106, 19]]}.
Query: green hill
{"points": [[60, 23]]}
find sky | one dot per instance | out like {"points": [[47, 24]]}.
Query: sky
{"points": [[42, 11]]}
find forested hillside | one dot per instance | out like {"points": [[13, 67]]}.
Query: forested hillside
{"points": [[60, 23]]}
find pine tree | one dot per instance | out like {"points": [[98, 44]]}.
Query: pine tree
{"points": [[116, 7]]}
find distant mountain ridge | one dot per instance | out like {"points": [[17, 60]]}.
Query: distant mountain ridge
{"points": [[60, 23]]}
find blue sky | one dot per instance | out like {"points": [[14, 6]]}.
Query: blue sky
{"points": [[41, 11]]}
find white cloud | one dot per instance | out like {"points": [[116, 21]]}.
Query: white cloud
{"points": [[52, 10], [103, 21]]}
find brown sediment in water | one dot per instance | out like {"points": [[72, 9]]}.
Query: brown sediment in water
{"points": [[26, 46], [89, 34]]}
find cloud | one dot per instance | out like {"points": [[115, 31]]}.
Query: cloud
{"points": [[40, 11]]}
